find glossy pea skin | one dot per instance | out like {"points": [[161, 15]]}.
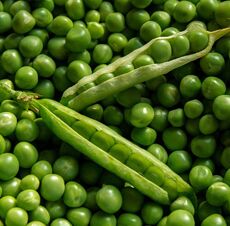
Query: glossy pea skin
{"points": [[26, 77], [42, 16], [214, 219], [109, 199], [52, 187], [79, 216], [12, 41], [102, 54], [92, 16], [142, 60], [222, 14], [129, 219], [40, 214], [159, 152], [75, 9], [150, 30], [208, 124], [180, 46], [101, 218], [203, 146], [182, 203], [182, 217], [212, 64], [74, 194], [60, 222], [2, 144], [45, 88], [11, 187], [160, 119], [117, 41], [8, 122], [200, 177], [133, 43], [176, 117], [29, 182], [115, 22], [151, 213], [198, 40], [6, 22], [162, 18], [16, 217], [224, 158], [56, 209], [193, 108], [96, 30], [26, 154], [112, 116], [9, 166], [7, 202], [221, 107], [217, 194], [41, 33], [206, 9]]}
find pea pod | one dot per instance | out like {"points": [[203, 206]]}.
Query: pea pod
{"points": [[77, 99]]}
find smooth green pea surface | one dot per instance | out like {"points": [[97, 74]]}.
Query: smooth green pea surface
{"points": [[221, 107], [182, 203], [150, 30], [129, 219], [79, 216], [16, 217], [42, 16], [8, 122], [102, 218]]}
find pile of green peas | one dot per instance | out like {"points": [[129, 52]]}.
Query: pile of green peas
{"points": [[183, 119]]}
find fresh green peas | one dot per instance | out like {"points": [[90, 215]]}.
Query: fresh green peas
{"points": [[112, 116], [223, 46], [57, 47], [11, 60], [135, 18], [26, 130], [11, 187], [176, 117], [205, 162], [41, 168], [90, 202], [79, 216], [206, 8], [133, 44], [142, 60], [169, 6], [102, 54], [129, 219], [74, 194], [19, 5], [117, 41], [214, 219], [60, 222], [198, 40], [8, 122], [26, 154], [182, 217], [160, 120], [169, 31], [75, 9], [60, 25], [208, 124], [193, 108], [151, 213], [23, 22], [56, 209], [42, 16], [12, 41], [45, 88], [6, 22], [105, 9], [26, 77], [159, 152], [215, 61], [168, 95], [203, 146], [180, 46], [109, 199], [28, 199], [16, 217], [224, 158], [78, 39], [41, 33], [101, 218], [122, 6], [96, 30], [150, 30], [212, 87], [221, 107], [174, 138], [144, 136], [30, 182], [162, 18], [200, 177], [52, 187], [30, 46], [143, 4], [7, 202], [92, 16], [115, 22], [222, 14], [179, 161], [182, 203], [60, 80], [48, 4], [161, 51], [35, 223], [184, 11], [217, 194], [94, 111], [67, 167], [2, 144], [9, 166]]}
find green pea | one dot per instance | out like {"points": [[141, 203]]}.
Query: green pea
{"points": [[205, 209], [150, 30], [75, 9], [74, 194], [40, 33], [48, 4], [176, 117], [193, 108], [151, 213], [132, 200], [208, 124], [200, 177], [105, 9], [179, 161], [135, 18], [184, 11], [102, 54], [79, 216], [169, 6], [182, 203], [19, 5], [11, 60], [223, 46], [216, 62], [198, 40], [216, 219], [180, 217], [29, 182], [133, 44], [169, 31], [6, 22], [78, 39], [57, 47], [161, 51], [162, 18], [203, 146], [42, 16], [112, 116], [101, 218], [221, 107], [222, 14], [122, 6], [56, 209], [168, 95], [174, 138], [115, 22], [224, 157], [180, 46], [159, 152], [90, 202], [11, 187], [160, 120], [206, 9], [92, 16], [94, 111], [155, 175], [60, 222], [41, 168], [6, 203], [16, 216], [45, 88], [130, 219], [124, 69], [117, 41], [12, 41], [96, 30], [23, 22]]}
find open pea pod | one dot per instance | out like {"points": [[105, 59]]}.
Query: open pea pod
{"points": [[87, 91], [113, 152]]}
